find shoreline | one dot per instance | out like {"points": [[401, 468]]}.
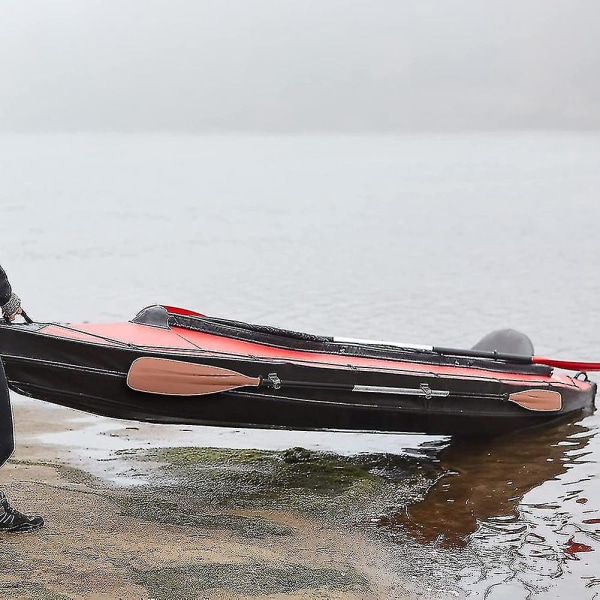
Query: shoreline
{"points": [[133, 537]]}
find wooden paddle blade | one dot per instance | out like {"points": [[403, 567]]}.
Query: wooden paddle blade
{"points": [[545, 400], [179, 378]]}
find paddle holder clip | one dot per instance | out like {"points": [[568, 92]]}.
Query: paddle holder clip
{"points": [[273, 381]]}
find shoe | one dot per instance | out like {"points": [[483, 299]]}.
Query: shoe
{"points": [[15, 521]]}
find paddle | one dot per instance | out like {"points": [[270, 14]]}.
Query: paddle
{"points": [[180, 378], [493, 355], [569, 365]]}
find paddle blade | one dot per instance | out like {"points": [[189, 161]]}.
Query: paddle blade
{"points": [[176, 310], [569, 365], [544, 400], [179, 378]]}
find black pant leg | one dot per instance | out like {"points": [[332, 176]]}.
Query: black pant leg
{"points": [[7, 442]]}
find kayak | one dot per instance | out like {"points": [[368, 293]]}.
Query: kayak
{"points": [[173, 365]]}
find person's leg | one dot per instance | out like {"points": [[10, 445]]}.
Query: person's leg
{"points": [[10, 519], [7, 443]]}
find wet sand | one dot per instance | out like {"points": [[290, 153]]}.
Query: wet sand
{"points": [[95, 546]]}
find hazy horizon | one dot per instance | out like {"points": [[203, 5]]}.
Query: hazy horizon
{"points": [[298, 66]]}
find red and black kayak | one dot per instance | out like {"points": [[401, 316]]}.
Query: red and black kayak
{"points": [[170, 365]]}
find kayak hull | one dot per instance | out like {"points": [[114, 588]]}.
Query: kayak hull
{"points": [[85, 367]]}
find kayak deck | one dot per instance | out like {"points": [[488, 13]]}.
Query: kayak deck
{"points": [[326, 384]]}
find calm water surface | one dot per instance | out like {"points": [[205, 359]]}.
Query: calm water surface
{"points": [[430, 239]]}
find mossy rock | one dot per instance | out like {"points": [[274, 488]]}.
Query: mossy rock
{"points": [[187, 456], [296, 455], [322, 483], [296, 468]]}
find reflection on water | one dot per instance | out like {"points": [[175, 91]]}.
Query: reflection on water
{"points": [[487, 479], [525, 508]]}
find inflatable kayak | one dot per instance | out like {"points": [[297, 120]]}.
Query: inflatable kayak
{"points": [[171, 365]]}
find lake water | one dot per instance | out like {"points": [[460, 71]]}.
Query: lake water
{"points": [[428, 239]]}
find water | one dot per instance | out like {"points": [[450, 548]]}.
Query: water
{"points": [[430, 239]]}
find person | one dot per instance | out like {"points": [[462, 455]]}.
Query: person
{"points": [[10, 518]]}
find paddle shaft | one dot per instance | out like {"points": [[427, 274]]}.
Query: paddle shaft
{"points": [[537, 399], [169, 377], [489, 355], [569, 365]]}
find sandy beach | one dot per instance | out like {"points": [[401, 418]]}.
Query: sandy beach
{"points": [[107, 540]]}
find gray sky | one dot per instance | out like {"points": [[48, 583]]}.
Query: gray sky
{"points": [[299, 65]]}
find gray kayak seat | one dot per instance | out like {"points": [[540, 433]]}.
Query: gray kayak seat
{"points": [[505, 341]]}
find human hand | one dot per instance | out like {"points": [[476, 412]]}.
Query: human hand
{"points": [[14, 315], [12, 308]]}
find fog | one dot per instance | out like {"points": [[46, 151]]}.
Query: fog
{"points": [[298, 65]]}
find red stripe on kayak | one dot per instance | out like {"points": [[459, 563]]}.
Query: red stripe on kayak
{"points": [[180, 339]]}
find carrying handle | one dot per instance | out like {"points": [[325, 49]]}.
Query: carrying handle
{"points": [[24, 315]]}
